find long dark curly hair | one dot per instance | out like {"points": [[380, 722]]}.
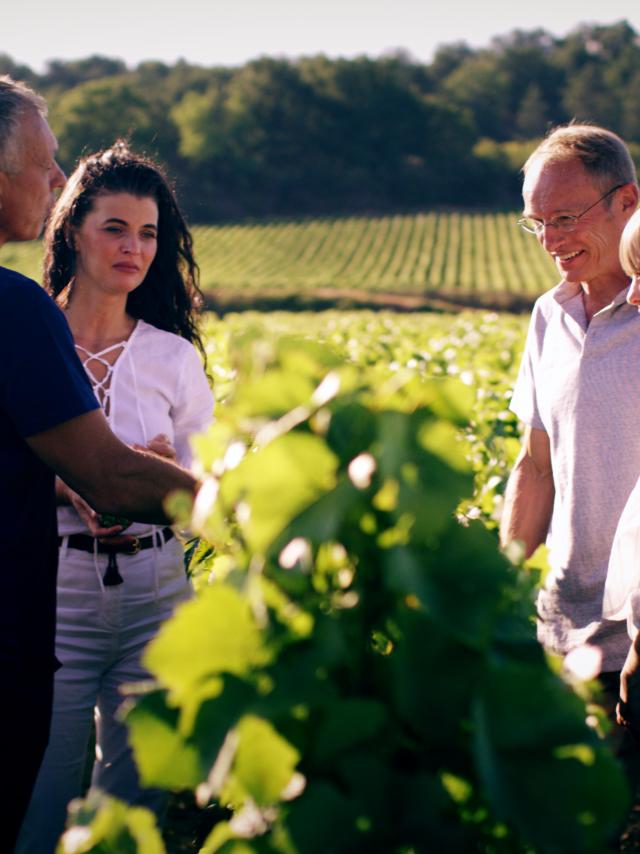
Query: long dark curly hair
{"points": [[169, 295]]}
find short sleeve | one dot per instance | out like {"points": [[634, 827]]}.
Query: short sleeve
{"points": [[524, 401], [193, 409], [42, 382]]}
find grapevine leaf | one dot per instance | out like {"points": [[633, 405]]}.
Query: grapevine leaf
{"points": [[264, 763], [278, 482], [162, 756], [100, 823], [527, 715], [348, 723], [212, 634]]}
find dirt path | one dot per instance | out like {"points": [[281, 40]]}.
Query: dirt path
{"points": [[223, 302]]}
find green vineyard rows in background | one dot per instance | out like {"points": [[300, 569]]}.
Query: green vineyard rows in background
{"points": [[436, 253]]}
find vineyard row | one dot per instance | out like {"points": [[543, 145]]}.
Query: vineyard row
{"points": [[423, 254]]}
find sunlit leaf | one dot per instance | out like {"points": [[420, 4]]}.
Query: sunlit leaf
{"points": [[264, 763], [214, 633], [278, 482], [162, 755]]}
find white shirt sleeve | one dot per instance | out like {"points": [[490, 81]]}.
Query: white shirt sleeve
{"points": [[525, 400], [192, 411]]}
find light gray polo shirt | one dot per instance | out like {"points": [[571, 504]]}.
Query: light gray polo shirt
{"points": [[581, 384]]}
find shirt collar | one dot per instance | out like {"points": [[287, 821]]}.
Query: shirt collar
{"points": [[566, 291], [621, 297]]}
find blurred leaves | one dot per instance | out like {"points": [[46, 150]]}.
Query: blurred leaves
{"points": [[359, 671], [106, 825]]}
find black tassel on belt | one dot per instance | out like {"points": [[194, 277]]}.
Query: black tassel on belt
{"points": [[112, 576]]}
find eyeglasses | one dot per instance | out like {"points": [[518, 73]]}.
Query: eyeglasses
{"points": [[566, 222]]}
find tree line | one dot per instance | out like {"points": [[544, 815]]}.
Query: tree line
{"points": [[278, 137]]}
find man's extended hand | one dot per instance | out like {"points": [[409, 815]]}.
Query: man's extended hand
{"points": [[628, 708]]}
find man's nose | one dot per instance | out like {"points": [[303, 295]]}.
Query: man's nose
{"points": [[550, 236], [58, 178]]}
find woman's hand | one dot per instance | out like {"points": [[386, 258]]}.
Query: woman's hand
{"points": [[161, 446], [89, 516], [92, 519]]}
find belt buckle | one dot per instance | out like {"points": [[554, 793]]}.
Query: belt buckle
{"points": [[133, 547]]}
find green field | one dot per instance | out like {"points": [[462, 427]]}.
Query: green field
{"points": [[456, 257], [357, 646]]}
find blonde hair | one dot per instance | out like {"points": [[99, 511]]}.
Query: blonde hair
{"points": [[603, 154], [630, 246]]}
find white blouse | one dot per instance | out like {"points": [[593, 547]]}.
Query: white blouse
{"points": [[158, 385]]}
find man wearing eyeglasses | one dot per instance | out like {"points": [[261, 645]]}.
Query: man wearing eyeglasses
{"points": [[578, 391]]}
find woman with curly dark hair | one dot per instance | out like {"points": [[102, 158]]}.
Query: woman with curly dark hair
{"points": [[119, 261]]}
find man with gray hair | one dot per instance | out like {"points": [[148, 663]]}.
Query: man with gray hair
{"points": [[50, 422], [27, 163], [578, 390]]}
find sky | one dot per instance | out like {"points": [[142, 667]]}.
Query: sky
{"points": [[230, 32]]}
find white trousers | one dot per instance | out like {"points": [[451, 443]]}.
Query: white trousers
{"points": [[100, 635]]}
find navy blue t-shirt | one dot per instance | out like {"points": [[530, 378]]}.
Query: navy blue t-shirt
{"points": [[42, 384]]}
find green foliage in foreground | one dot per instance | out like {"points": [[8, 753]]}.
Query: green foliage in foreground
{"points": [[455, 255], [359, 671], [102, 824]]}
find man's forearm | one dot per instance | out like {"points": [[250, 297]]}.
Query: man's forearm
{"points": [[62, 493], [138, 486], [528, 506], [111, 477]]}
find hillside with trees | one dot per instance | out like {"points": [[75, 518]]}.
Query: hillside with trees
{"points": [[326, 136]]}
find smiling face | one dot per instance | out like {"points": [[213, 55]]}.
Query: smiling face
{"points": [[116, 243], [27, 196], [589, 253]]}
